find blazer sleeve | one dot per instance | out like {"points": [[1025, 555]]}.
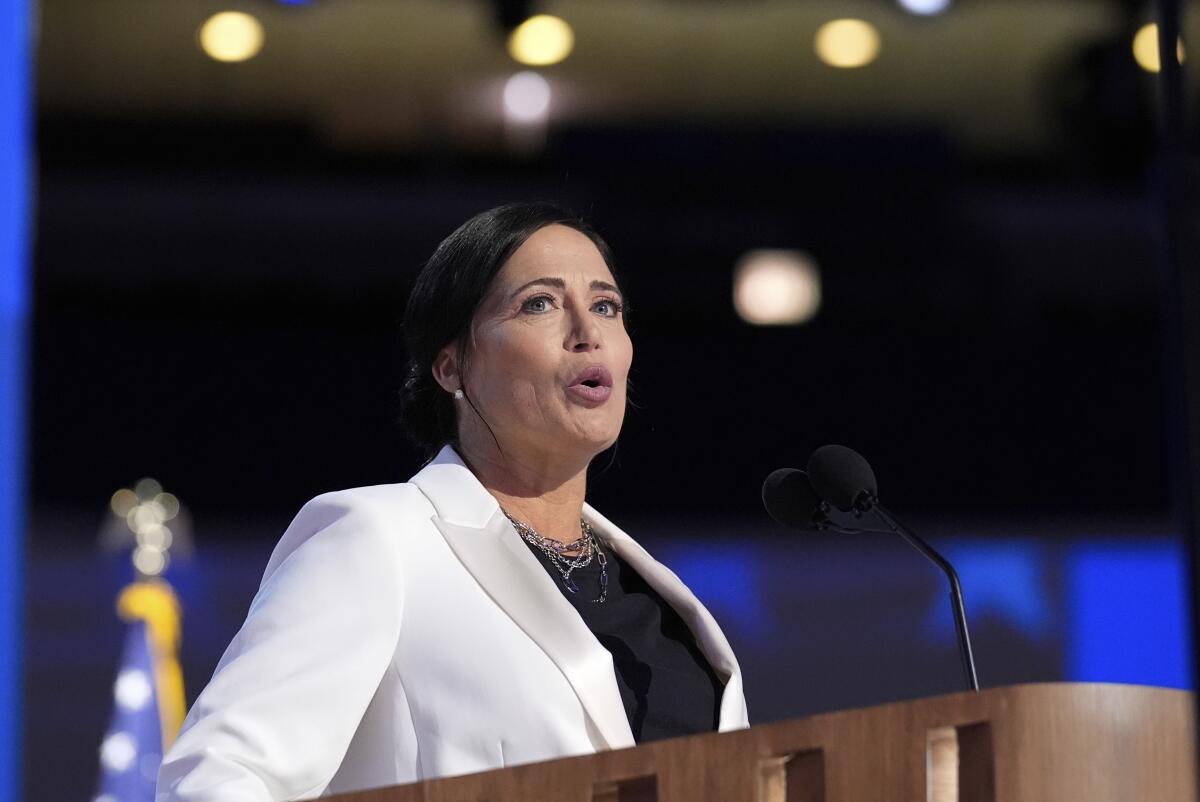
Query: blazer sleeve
{"points": [[286, 698]]}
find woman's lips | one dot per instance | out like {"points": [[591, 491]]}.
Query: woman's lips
{"points": [[590, 396], [592, 386]]}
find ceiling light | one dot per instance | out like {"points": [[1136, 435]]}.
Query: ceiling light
{"points": [[527, 98], [231, 36], [847, 43], [1145, 48], [925, 8], [776, 287], [541, 40]]}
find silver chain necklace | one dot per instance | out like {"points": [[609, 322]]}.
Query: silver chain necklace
{"points": [[587, 544]]}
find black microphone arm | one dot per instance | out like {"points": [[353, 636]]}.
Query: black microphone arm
{"points": [[963, 636], [956, 597], [840, 477]]}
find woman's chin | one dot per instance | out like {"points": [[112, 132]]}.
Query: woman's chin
{"points": [[593, 440], [601, 444]]}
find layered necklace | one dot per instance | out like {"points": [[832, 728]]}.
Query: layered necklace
{"points": [[587, 544]]}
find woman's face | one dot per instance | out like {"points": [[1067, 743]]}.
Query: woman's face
{"points": [[549, 356]]}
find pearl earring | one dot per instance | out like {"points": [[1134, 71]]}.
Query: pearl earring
{"points": [[458, 394]]}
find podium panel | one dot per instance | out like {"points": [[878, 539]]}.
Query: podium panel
{"points": [[1079, 742]]}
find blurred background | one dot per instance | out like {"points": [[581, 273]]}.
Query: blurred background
{"points": [[929, 230]]}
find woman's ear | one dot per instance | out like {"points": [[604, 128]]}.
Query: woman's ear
{"points": [[445, 368]]}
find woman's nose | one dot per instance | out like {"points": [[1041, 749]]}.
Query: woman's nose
{"points": [[585, 334], [584, 341]]}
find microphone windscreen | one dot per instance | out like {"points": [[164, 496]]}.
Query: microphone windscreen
{"points": [[841, 476], [790, 499]]}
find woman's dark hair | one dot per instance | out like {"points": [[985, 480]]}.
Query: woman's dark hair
{"points": [[444, 298]]}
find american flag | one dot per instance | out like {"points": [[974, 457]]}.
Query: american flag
{"points": [[147, 695]]}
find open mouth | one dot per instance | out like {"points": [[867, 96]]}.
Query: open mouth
{"points": [[594, 377], [592, 386]]}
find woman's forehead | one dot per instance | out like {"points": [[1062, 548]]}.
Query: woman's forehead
{"points": [[555, 251]]}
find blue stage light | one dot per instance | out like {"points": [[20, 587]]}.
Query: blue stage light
{"points": [[1003, 580], [14, 320], [1127, 602], [728, 578]]}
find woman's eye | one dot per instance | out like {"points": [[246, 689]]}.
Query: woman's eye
{"points": [[538, 303], [608, 307]]}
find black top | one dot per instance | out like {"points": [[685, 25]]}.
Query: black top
{"points": [[667, 685]]}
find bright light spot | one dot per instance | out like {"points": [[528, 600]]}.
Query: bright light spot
{"points": [[847, 43], [147, 488], [541, 40], [159, 537], [132, 689], [776, 288], [149, 560], [231, 36], [106, 798], [169, 504], [118, 751], [527, 98], [1145, 48], [123, 502], [144, 516], [926, 8]]}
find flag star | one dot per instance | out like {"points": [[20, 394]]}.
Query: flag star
{"points": [[132, 689], [118, 751]]}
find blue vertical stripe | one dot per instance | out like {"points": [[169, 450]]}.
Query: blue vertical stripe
{"points": [[14, 321]]}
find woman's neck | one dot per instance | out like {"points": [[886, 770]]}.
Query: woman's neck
{"points": [[547, 493]]}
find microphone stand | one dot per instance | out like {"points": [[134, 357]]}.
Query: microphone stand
{"points": [[956, 598], [963, 637]]}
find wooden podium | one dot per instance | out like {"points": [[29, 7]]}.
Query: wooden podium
{"points": [[1025, 743]]}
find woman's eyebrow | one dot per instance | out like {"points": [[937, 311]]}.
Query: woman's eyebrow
{"points": [[554, 281], [604, 285]]}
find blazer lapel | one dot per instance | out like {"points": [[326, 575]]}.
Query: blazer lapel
{"points": [[484, 540], [709, 637]]}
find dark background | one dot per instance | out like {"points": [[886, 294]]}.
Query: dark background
{"points": [[991, 345], [223, 253]]}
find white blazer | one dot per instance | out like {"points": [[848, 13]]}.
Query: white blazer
{"points": [[404, 632]]}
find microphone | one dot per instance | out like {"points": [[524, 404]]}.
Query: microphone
{"points": [[791, 500], [844, 479]]}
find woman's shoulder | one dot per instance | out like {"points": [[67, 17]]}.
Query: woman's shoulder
{"points": [[391, 499], [371, 502], [368, 520]]}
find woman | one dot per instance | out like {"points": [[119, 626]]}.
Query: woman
{"points": [[481, 614]]}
